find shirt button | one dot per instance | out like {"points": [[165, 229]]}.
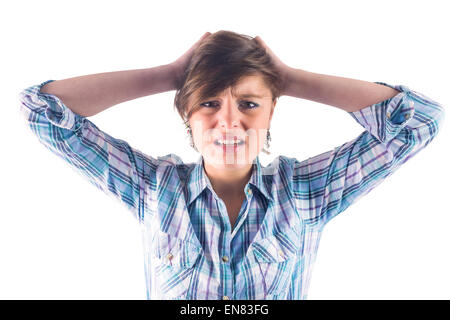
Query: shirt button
{"points": [[388, 114], [225, 259], [225, 298], [249, 191], [169, 256], [281, 253], [407, 115]]}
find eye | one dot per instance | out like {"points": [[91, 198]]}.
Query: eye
{"points": [[247, 104], [209, 104], [255, 105]]}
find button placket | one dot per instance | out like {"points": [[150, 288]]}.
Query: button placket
{"points": [[241, 219], [169, 257]]}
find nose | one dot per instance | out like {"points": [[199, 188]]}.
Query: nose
{"points": [[229, 116]]}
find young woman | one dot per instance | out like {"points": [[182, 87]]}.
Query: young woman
{"points": [[227, 227]]}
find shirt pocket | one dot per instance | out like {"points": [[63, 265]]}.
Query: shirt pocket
{"points": [[275, 258], [174, 262]]}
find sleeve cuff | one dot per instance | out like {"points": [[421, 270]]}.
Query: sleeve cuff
{"points": [[57, 112], [385, 119]]}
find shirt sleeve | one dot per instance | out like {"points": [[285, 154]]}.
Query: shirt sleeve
{"points": [[395, 130], [108, 163]]}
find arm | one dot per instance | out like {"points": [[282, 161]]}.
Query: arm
{"points": [[57, 111], [348, 94], [344, 93], [109, 164], [398, 123], [396, 129], [90, 94]]}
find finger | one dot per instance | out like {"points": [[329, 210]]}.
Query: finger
{"points": [[260, 42], [207, 34], [263, 45], [195, 45]]}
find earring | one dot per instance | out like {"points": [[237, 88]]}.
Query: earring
{"points": [[267, 143], [189, 132]]}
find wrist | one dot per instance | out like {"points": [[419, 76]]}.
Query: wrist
{"points": [[295, 81], [177, 73], [173, 76]]}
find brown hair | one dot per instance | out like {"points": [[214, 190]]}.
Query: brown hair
{"points": [[219, 62]]}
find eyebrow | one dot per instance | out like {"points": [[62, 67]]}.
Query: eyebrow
{"points": [[243, 95], [249, 95]]}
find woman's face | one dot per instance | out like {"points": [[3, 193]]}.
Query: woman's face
{"points": [[230, 130]]}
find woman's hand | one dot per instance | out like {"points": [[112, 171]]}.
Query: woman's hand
{"points": [[280, 65], [182, 62]]}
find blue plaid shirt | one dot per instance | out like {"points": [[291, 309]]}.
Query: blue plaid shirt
{"points": [[191, 250]]}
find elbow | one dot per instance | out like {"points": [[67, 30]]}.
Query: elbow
{"points": [[429, 118], [27, 104], [438, 119]]}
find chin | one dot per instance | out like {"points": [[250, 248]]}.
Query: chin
{"points": [[229, 161], [218, 158]]}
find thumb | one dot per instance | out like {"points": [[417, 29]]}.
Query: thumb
{"points": [[205, 35], [260, 42]]}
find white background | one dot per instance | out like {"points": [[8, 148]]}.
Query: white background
{"points": [[61, 238]]}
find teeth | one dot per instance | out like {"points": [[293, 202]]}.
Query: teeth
{"points": [[228, 141]]}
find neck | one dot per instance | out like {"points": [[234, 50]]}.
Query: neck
{"points": [[228, 183]]}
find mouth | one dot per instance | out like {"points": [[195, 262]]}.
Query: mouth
{"points": [[229, 142]]}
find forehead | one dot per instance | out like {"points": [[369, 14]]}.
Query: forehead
{"points": [[247, 87], [250, 85]]}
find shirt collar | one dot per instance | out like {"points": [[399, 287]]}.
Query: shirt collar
{"points": [[198, 180]]}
